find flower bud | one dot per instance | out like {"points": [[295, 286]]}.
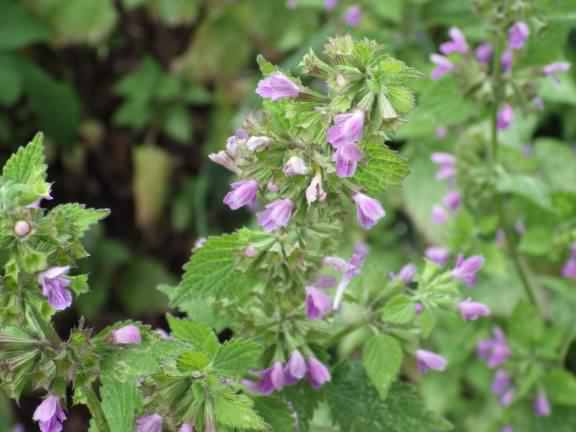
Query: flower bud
{"points": [[22, 228]]}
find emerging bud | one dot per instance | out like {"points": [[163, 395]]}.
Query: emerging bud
{"points": [[250, 251], [368, 210], [295, 166], [330, 4], [452, 200], [151, 423], [49, 414], [471, 311], [314, 191], [243, 193], [508, 397], [22, 228], [186, 427], [541, 404], [54, 285], [438, 255], [353, 16], [457, 44], [348, 129], [222, 158], [296, 368], [318, 373], [439, 215], [406, 274], [501, 382], [318, 303], [506, 60], [518, 35], [276, 215], [427, 360], [484, 53], [127, 335], [257, 143], [466, 269], [446, 163], [443, 66], [277, 86]]}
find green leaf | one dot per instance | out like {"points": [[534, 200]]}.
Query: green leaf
{"points": [[27, 165], [174, 12], [357, 407], [199, 335], [525, 326], [178, 124], [236, 356], [18, 27], [192, 361], [526, 186], [399, 310], [304, 403], [382, 168], [276, 413], [76, 218], [211, 271], [382, 359], [120, 402], [560, 386], [236, 411], [10, 80]]}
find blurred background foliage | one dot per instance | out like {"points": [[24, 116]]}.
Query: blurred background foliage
{"points": [[133, 94]]}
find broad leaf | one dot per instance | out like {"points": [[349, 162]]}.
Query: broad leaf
{"points": [[381, 168], [235, 357], [120, 402]]}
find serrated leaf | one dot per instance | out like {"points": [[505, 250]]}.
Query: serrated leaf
{"points": [[236, 411], [120, 402], [199, 335], [382, 168], [211, 271], [76, 218], [399, 310], [303, 402], [357, 407], [402, 99], [276, 413], [27, 165], [526, 186], [235, 357], [560, 386], [382, 359], [192, 361]]}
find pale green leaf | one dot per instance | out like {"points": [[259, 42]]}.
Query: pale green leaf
{"points": [[237, 356], [399, 310], [236, 411], [199, 335], [120, 402], [27, 165], [380, 168], [382, 359]]}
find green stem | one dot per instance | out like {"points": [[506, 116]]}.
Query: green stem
{"points": [[95, 408]]}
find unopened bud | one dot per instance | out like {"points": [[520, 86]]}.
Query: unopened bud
{"points": [[22, 228]]}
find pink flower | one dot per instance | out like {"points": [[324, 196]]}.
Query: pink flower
{"points": [[427, 360], [318, 303], [452, 200], [296, 367], [495, 351], [348, 129], [368, 210], [330, 4], [471, 311], [443, 66], [439, 215], [295, 166], [505, 117], [484, 53], [541, 404], [446, 164], [50, 415], [126, 335], [277, 86], [466, 269], [457, 44], [271, 379], [243, 193], [518, 35], [151, 423], [438, 255], [353, 16], [22, 228], [314, 191], [318, 373], [54, 283], [347, 157]]}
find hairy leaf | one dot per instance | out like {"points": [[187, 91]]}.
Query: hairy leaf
{"points": [[120, 402], [235, 357], [383, 168], [236, 411], [382, 359]]}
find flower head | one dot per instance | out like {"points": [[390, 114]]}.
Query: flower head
{"points": [[353, 16], [350, 269], [506, 60], [443, 66], [501, 382], [452, 200], [507, 397], [505, 117], [296, 368], [471, 311], [271, 380], [318, 373], [484, 53], [427, 360], [54, 283], [277, 86], [348, 129], [243, 193], [222, 158], [406, 274], [151, 423], [368, 210], [22, 228], [507, 428], [438, 255], [50, 415], [314, 191], [330, 4], [542, 404], [457, 43], [347, 157], [466, 269], [446, 164], [439, 215], [553, 69], [257, 143], [127, 335], [186, 427], [518, 35], [276, 215], [318, 303], [569, 269]]}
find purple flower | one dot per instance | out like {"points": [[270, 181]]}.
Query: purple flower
{"points": [[426, 360], [466, 269], [368, 210], [318, 373], [257, 143], [272, 187], [506, 60], [452, 200], [507, 429], [250, 251], [495, 351], [456, 44], [441, 132], [438, 255], [22, 228], [508, 397], [419, 307], [406, 274], [501, 382], [277, 86], [318, 303], [271, 379], [276, 215], [296, 368], [505, 117], [151, 423], [243, 193], [314, 191], [353, 16], [471, 311], [330, 4], [569, 269], [518, 35], [224, 159], [291, 4], [347, 129], [349, 269], [446, 164], [484, 53], [186, 428], [126, 335], [443, 66], [553, 69], [541, 404], [295, 166], [50, 415], [439, 215], [347, 157], [54, 285]]}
